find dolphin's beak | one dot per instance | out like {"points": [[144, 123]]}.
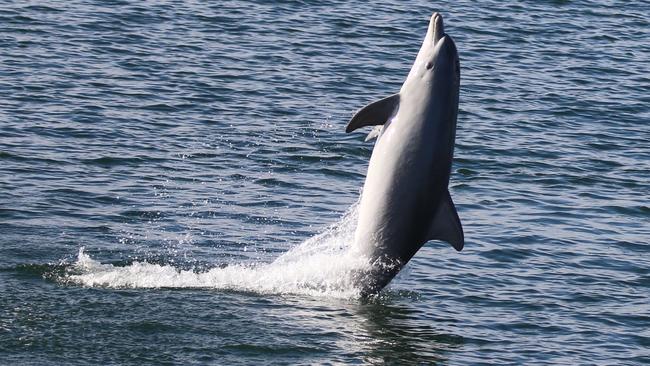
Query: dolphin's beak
{"points": [[436, 28]]}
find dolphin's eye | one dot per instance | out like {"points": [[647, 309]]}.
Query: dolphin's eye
{"points": [[429, 65]]}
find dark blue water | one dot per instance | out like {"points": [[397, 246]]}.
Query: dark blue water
{"points": [[197, 154]]}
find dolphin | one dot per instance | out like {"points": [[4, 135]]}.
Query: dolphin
{"points": [[405, 200]]}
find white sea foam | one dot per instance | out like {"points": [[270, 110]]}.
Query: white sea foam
{"points": [[323, 265]]}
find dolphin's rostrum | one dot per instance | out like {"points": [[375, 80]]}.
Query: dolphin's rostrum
{"points": [[405, 201]]}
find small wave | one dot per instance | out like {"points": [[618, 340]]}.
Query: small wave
{"points": [[323, 265]]}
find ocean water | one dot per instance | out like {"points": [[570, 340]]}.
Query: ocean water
{"points": [[176, 186]]}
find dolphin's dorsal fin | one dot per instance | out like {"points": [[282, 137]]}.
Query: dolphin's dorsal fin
{"points": [[375, 113], [446, 224]]}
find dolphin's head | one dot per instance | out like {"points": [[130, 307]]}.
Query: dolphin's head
{"points": [[437, 60]]}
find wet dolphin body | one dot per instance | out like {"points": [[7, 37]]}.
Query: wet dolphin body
{"points": [[405, 201]]}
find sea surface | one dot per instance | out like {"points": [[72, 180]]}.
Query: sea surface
{"points": [[176, 186]]}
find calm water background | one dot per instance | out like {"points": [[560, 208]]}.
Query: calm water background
{"points": [[170, 135]]}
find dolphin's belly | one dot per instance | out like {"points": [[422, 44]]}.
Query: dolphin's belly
{"points": [[400, 193]]}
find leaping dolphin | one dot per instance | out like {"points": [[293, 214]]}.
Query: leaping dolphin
{"points": [[405, 201]]}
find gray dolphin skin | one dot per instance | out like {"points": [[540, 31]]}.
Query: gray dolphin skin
{"points": [[405, 201]]}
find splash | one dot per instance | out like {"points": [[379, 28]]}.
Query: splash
{"points": [[323, 265]]}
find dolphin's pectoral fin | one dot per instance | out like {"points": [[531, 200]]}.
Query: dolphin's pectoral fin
{"points": [[376, 113], [446, 224], [375, 133]]}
